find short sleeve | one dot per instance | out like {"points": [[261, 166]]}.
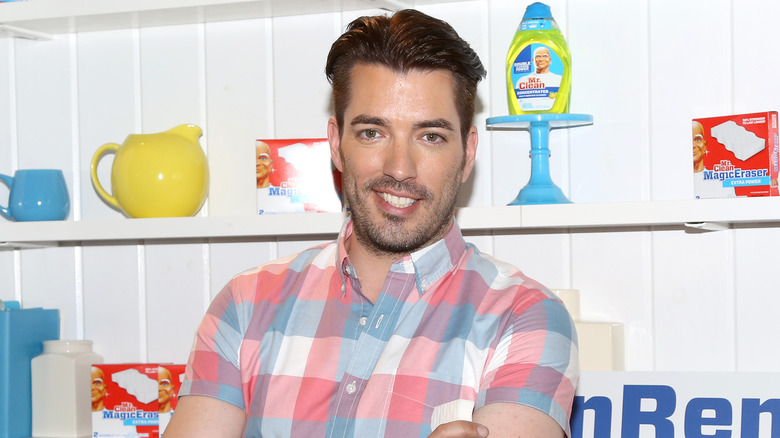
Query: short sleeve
{"points": [[535, 362], [213, 368]]}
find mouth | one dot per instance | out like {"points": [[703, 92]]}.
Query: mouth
{"points": [[397, 201]]}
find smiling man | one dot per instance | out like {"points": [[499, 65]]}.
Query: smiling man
{"points": [[399, 328]]}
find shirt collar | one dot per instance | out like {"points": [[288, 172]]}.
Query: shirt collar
{"points": [[428, 264]]}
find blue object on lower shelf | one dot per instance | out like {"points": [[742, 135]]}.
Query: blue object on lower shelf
{"points": [[540, 188], [22, 332]]}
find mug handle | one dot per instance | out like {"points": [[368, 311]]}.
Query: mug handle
{"points": [[9, 180], [93, 172]]}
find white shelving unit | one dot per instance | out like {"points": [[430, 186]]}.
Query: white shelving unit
{"points": [[705, 215], [39, 19], [42, 19]]}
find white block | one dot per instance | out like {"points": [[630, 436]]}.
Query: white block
{"points": [[601, 346]]}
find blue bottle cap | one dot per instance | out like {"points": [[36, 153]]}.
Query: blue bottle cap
{"points": [[537, 10]]}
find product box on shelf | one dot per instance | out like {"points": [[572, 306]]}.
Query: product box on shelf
{"points": [[134, 399], [296, 176], [735, 155]]}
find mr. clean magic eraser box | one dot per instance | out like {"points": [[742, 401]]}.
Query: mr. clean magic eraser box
{"points": [[296, 176], [735, 156], [133, 400]]}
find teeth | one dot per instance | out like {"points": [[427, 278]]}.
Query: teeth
{"points": [[397, 201]]}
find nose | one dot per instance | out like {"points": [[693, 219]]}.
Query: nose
{"points": [[399, 160]]}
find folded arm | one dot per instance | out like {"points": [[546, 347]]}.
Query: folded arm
{"points": [[198, 416], [502, 420]]}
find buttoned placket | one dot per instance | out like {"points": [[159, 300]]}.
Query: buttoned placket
{"points": [[375, 329]]}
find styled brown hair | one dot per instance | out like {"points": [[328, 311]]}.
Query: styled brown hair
{"points": [[407, 40]]}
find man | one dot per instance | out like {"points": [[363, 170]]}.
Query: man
{"points": [[398, 328]]}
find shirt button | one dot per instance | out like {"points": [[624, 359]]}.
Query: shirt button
{"points": [[351, 388], [363, 320]]}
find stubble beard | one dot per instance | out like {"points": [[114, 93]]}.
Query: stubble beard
{"points": [[395, 235]]}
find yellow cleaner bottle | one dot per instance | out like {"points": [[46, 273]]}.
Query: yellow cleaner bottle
{"points": [[538, 65]]}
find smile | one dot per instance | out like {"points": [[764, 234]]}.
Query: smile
{"points": [[397, 201]]}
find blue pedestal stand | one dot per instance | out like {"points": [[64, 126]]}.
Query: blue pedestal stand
{"points": [[540, 188]]}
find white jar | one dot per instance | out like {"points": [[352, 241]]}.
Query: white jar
{"points": [[62, 389]]}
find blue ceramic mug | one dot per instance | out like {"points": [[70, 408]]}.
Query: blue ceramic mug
{"points": [[36, 195]]}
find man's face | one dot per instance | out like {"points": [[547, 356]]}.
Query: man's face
{"points": [[98, 385], [263, 161], [401, 156], [699, 143], [542, 59], [164, 386]]}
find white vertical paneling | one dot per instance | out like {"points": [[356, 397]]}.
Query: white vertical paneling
{"points": [[470, 19], [174, 299], [755, 61], [693, 279], [690, 51], [108, 105], [229, 259], [170, 75], [44, 140], [237, 57], [614, 275], [172, 89], [107, 108], [301, 92], [543, 257], [608, 46], [111, 300], [47, 280], [690, 76], [757, 300]]}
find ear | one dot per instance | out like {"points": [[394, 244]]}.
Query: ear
{"points": [[472, 139], [335, 143]]}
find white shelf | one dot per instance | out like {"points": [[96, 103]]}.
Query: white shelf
{"points": [[707, 214], [38, 19]]}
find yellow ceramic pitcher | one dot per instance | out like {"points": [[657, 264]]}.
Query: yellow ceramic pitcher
{"points": [[156, 175]]}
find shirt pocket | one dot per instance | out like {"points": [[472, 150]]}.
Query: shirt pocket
{"points": [[429, 398]]}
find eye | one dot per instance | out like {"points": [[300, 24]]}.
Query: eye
{"points": [[371, 133], [432, 137]]}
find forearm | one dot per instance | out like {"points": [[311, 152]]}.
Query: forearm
{"points": [[206, 417]]}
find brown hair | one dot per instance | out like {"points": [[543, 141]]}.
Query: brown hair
{"points": [[407, 40]]}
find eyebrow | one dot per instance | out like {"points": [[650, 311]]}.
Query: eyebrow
{"points": [[363, 119]]}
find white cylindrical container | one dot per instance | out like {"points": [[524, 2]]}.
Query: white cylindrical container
{"points": [[62, 389]]}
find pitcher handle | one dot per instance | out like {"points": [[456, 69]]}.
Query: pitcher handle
{"points": [[9, 180], [93, 172]]}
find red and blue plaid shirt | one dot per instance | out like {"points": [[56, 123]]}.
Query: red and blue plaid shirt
{"points": [[296, 344]]}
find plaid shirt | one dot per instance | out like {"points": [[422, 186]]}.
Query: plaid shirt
{"points": [[297, 346]]}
